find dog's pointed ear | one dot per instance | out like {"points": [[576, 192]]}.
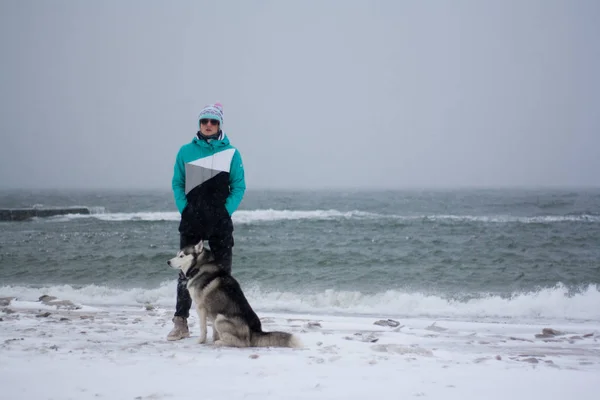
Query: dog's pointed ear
{"points": [[199, 247]]}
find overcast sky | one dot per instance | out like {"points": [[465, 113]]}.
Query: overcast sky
{"points": [[316, 94]]}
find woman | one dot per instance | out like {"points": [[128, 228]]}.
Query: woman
{"points": [[208, 185]]}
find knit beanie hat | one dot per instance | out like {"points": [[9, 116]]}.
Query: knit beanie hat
{"points": [[212, 111]]}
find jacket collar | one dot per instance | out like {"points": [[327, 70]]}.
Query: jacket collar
{"points": [[220, 141]]}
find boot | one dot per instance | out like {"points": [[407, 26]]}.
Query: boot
{"points": [[180, 329]]}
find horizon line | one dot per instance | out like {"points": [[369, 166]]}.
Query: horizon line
{"points": [[322, 189]]}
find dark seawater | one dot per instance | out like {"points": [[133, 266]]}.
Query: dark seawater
{"points": [[326, 249]]}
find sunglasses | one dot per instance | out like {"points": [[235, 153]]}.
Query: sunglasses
{"points": [[205, 121]]}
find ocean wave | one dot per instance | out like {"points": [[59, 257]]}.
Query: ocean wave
{"points": [[242, 216], [121, 217], [271, 215], [555, 303], [549, 303], [542, 219], [267, 215]]}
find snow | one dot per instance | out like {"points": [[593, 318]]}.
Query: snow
{"points": [[121, 352]]}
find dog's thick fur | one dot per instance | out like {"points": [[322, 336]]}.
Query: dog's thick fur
{"points": [[219, 298]]}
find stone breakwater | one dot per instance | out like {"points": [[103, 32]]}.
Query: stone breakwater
{"points": [[24, 214]]}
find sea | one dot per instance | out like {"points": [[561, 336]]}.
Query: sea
{"points": [[470, 254]]}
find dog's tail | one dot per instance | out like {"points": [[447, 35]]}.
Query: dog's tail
{"points": [[275, 339]]}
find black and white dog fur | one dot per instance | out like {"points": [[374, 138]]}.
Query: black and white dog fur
{"points": [[219, 298]]}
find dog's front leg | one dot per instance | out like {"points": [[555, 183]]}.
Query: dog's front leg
{"points": [[202, 322]]}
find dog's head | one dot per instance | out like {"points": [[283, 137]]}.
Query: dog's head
{"points": [[188, 257]]}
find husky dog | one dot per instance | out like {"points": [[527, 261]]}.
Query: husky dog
{"points": [[219, 298]]}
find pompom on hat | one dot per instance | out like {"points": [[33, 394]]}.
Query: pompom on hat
{"points": [[212, 111]]}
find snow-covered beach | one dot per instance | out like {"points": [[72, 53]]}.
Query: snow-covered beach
{"points": [[55, 351]]}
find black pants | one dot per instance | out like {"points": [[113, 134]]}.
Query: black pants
{"points": [[221, 244]]}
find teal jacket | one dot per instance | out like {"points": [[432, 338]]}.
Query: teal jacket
{"points": [[209, 175]]}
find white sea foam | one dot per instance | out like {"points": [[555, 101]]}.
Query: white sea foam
{"points": [[512, 219], [272, 215], [550, 303], [556, 303], [280, 215]]}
